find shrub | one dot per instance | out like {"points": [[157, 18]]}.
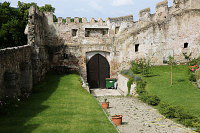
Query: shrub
{"points": [[197, 74], [168, 110], [140, 89], [192, 77], [145, 96], [171, 111], [141, 66], [195, 61], [129, 83], [153, 100], [136, 67]]}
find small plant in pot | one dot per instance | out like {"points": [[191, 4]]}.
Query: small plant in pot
{"points": [[105, 104], [117, 119]]}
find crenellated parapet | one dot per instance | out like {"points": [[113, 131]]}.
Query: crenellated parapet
{"points": [[128, 18], [194, 4], [60, 19], [84, 20], [144, 15], [77, 20], [162, 10]]}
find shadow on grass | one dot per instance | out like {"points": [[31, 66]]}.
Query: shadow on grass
{"points": [[16, 120], [153, 75], [181, 80]]}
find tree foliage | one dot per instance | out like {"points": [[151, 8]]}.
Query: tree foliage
{"points": [[47, 8], [13, 22]]}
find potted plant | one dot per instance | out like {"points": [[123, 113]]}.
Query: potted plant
{"points": [[105, 104], [117, 119]]}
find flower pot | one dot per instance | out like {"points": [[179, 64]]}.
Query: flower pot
{"points": [[117, 119], [105, 105]]}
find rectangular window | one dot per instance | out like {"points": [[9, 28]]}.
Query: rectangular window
{"points": [[87, 33], [136, 47], [96, 32], [65, 56], [185, 45], [74, 32], [116, 30]]}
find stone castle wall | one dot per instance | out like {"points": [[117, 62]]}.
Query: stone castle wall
{"points": [[22, 67], [15, 70], [158, 36], [162, 36]]}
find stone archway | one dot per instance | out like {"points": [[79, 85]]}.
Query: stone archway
{"points": [[98, 69]]}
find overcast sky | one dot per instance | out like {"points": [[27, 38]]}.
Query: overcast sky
{"points": [[96, 8]]}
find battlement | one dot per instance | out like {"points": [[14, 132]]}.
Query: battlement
{"points": [[128, 18], [144, 15], [162, 3], [163, 10], [77, 20]]}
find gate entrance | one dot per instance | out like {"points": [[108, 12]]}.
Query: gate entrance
{"points": [[98, 69]]}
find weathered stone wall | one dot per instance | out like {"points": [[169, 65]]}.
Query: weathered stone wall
{"points": [[161, 36], [23, 66], [36, 32], [170, 31], [15, 71], [158, 36], [72, 41]]}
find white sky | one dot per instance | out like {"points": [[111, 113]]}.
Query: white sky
{"points": [[95, 8]]}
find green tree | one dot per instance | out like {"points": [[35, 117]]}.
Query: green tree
{"points": [[47, 8], [13, 22]]}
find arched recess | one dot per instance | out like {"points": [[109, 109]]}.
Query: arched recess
{"points": [[98, 69]]}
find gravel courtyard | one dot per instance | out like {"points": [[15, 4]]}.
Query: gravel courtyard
{"points": [[139, 117]]}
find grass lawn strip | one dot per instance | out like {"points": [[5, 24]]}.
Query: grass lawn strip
{"points": [[58, 104]]}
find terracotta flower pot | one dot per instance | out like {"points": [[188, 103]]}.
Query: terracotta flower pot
{"points": [[105, 105], [117, 119]]}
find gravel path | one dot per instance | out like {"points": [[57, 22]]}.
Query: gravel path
{"points": [[139, 117]]}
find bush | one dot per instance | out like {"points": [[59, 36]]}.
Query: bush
{"points": [[145, 96], [153, 100], [192, 77], [136, 67], [129, 83], [195, 61], [140, 89], [197, 74], [141, 66], [171, 111]]}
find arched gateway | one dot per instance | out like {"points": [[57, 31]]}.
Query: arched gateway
{"points": [[98, 69]]}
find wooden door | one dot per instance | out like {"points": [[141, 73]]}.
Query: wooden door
{"points": [[98, 69]]}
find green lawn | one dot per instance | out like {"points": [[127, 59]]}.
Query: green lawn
{"points": [[59, 104], [182, 93]]}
